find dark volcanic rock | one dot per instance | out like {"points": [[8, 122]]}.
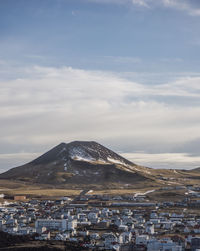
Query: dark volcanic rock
{"points": [[79, 162]]}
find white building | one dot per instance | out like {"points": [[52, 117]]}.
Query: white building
{"points": [[125, 237], [150, 228], [153, 245], [55, 224], [156, 245], [142, 239]]}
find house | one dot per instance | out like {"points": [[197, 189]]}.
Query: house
{"points": [[123, 228], [150, 228], [62, 237], [109, 240], [41, 230], [94, 236], [24, 231], [93, 217], [142, 239], [20, 197], [44, 236], [125, 237], [83, 233], [2, 222], [195, 244], [167, 245], [171, 246], [153, 245]]}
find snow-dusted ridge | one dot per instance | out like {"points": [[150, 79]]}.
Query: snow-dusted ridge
{"points": [[81, 154], [92, 152]]}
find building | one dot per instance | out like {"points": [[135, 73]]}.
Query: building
{"points": [[54, 224], [195, 243], [20, 197]]}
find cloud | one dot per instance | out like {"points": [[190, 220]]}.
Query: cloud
{"points": [[183, 5], [109, 1], [165, 160], [191, 7], [51, 105], [142, 3], [15, 159]]}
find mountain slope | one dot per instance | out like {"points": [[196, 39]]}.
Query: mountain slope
{"points": [[81, 150], [80, 163], [196, 169]]}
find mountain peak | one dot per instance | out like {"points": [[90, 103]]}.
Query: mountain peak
{"points": [[81, 151], [77, 162]]}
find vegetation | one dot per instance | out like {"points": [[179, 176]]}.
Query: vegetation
{"points": [[27, 243]]}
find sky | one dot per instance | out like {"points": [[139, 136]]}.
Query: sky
{"points": [[124, 73]]}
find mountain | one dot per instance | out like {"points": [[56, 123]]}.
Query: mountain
{"points": [[196, 169], [80, 163]]}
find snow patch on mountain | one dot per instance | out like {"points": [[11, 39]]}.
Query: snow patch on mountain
{"points": [[145, 193], [78, 153], [115, 161], [65, 166]]}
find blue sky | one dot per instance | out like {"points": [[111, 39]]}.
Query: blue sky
{"points": [[90, 34], [77, 69]]}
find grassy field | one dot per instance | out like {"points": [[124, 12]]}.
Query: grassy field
{"points": [[30, 192], [11, 188], [121, 191], [33, 190], [43, 192]]}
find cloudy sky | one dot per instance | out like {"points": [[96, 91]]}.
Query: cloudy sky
{"points": [[124, 73]]}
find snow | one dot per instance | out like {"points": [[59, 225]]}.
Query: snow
{"points": [[85, 153], [91, 149], [78, 153], [132, 167], [65, 166], [115, 161], [102, 160], [79, 158], [173, 183], [150, 191], [90, 191], [192, 192], [145, 171]]}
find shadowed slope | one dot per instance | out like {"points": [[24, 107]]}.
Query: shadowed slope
{"points": [[79, 162]]}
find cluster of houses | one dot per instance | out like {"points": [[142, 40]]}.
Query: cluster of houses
{"points": [[130, 225]]}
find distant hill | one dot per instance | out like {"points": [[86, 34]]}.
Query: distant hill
{"points": [[196, 169], [79, 163]]}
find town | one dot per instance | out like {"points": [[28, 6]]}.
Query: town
{"points": [[107, 222]]}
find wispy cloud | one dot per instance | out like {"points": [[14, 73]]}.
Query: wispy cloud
{"points": [[189, 7], [182, 5], [15, 159], [50, 105], [142, 3], [165, 160]]}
